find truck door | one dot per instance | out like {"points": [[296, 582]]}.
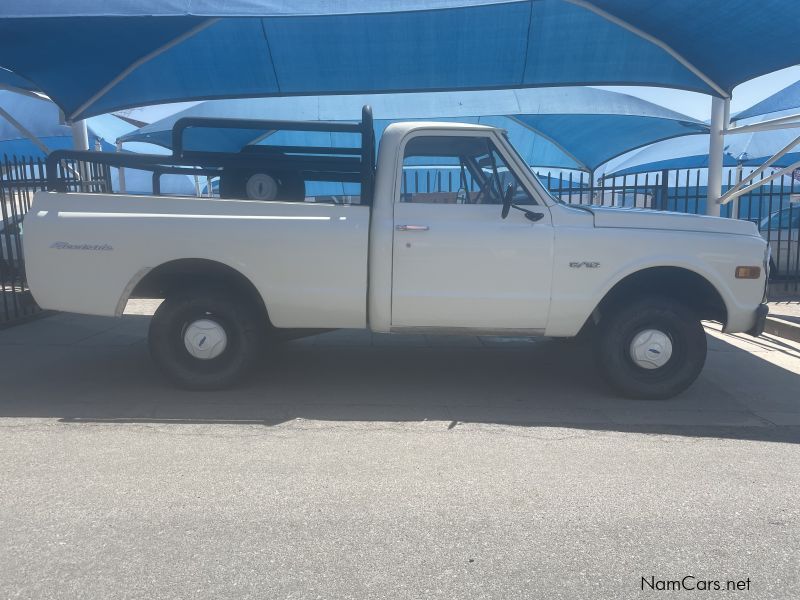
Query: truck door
{"points": [[457, 264]]}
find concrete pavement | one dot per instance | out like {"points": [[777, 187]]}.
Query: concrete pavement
{"points": [[364, 466], [784, 319]]}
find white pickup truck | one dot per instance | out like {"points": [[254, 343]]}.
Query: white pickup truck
{"points": [[498, 255]]}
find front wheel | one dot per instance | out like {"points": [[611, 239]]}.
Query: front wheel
{"points": [[205, 340], [652, 349]]}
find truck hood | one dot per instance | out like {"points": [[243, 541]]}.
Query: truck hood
{"points": [[636, 218]]}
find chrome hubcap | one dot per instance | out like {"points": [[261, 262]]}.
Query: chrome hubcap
{"points": [[651, 349], [205, 339]]}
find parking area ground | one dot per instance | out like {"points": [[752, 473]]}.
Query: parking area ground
{"points": [[366, 466]]}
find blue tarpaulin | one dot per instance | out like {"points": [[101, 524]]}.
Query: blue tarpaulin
{"points": [[94, 57], [570, 128]]}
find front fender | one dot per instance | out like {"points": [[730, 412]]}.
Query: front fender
{"points": [[617, 254]]}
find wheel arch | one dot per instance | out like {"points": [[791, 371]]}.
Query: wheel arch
{"points": [[191, 273], [679, 283]]}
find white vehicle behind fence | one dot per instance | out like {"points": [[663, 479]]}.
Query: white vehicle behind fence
{"points": [[499, 256], [782, 231]]}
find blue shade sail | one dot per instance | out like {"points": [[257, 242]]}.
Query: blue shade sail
{"points": [[42, 119], [12, 81], [787, 99], [96, 57], [730, 41], [569, 128], [691, 152]]}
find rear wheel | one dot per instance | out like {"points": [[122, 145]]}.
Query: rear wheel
{"points": [[205, 340], [652, 349]]}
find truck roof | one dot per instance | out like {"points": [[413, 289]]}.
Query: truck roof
{"points": [[404, 127]]}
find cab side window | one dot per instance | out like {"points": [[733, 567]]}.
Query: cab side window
{"points": [[457, 170]]}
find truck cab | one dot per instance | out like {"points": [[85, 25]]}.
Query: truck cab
{"points": [[450, 260]]}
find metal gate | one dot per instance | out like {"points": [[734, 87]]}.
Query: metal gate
{"points": [[19, 180]]}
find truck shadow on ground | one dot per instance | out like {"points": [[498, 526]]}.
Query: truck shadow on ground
{"points": [[354, 376]]}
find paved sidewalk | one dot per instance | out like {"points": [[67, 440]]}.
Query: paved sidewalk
{"points": [[789, 310], [78, 367]]}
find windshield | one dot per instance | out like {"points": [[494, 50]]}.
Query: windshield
{"points": [[457, 169], [550, 194]]}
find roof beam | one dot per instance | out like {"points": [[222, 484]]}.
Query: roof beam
{"points": [[740, 191], [787, 122], [739, 188]]}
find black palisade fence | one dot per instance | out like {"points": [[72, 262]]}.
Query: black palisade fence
{"points": [[20, 178]]}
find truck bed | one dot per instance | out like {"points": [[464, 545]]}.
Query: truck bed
{"points": [[308, 261]]}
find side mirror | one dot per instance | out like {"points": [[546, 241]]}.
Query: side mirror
{"points": [[508, 198]]}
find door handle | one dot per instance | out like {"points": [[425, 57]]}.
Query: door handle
{"points": [[412, 228]]}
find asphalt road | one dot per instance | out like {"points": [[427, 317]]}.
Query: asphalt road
{"points": [[361, 470]]}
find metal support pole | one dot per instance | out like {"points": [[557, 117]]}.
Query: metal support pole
{"points": [[121, 171], [735, 207], [753, 174], [720, 114], [80, 135], [80, 141]]}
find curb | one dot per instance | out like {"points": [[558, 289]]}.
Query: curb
{"points": [[781, 328]]}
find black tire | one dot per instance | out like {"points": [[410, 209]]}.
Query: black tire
{"points": [[620, 328], [242, 327]]}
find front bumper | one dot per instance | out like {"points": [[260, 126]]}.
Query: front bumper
{"points": [[761, 320]]}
